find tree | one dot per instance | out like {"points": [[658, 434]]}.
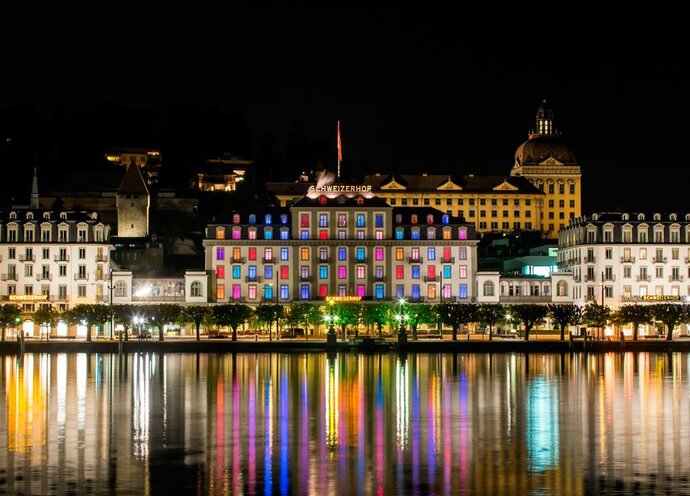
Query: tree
{"points": [[596, 315], [84, 314], [376, 314], [267, 313], [671, 314], [636, 315], [163, 314], [565, 315], [10, 314], [530, 315], [194, 314], [232, 315], [101, 315], [46, 316], [491, 314], [456, 315], [314, 317], [420, 313], [348, 314]]}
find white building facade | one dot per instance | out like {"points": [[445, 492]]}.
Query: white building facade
{"points": [[619, 258], [58, 258]]}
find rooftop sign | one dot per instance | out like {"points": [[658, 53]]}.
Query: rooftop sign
{"points": [[341, 188]]}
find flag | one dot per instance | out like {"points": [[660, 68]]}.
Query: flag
{"points": [[340, 146]]}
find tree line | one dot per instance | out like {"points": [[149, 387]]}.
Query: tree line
{"points": [[374, 316]]}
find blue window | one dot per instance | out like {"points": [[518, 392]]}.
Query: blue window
{"points": [[342, 253], [252, 219], [268, 272], [323, 271], [304, 291], [360, 220], [445, 219], [284, 294], [415, 291], [463, 291], [415, 233], [251, 272], [236, 270], [283, 219], [268, 233], [283, 254], [284, 233], [378, 292], [399, 291], [378, 220], [360, 254], [304, 234], [415, 272], [447, 271], [268, 220], [431, 253], [399, 233], [268, 293]]}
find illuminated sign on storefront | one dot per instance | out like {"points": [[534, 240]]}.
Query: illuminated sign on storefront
{"points": [[661, 298], [16, 297], [341, 188], [342, 299]]}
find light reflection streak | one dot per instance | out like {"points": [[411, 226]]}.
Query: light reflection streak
{"points": [[268, 436], [331, 413]]}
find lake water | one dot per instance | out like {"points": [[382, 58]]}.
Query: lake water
{"points": [[345, 424]]}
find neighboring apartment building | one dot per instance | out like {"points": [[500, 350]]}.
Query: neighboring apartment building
{"points": [[342, 245], [627, 257], [58, 258]]}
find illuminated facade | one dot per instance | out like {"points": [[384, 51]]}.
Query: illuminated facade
{"points": [[53, 257], [147, 160], [490, 203], [191, 288], [330, 244], [627, 257], [549, 163], [221, 174]]}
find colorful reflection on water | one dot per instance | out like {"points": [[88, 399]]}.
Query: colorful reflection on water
{"points": [[364, 424]]}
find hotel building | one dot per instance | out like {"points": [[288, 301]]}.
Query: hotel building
{"points": [[348, 244], [622, 257]]}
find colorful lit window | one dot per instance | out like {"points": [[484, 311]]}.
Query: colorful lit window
{"points": [[236, 291], [342, 253], [361, 290], [284, 293], [251, 253], [284, 254], [399, 291], [284, 271], [378, 292], [220, 292], [342, 272], [361, 272], [220, 253], [251, 291], [462, 271], [304, 220], [323, 271], [220, 272], [462, 233], [268, 272], [304, 291], [304, 253], [415, 291], [400, 272], [463, 292], [361, 254], [447, 271], [399, 254], [236, 233], [431, 253], [361, 220], [236, 270], [323, 234], [323, 290], [462, 253], [378, 220], [415, 272], [378, 253], [268, 293]]}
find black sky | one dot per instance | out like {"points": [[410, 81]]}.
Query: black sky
{"points": [[414, 92]]}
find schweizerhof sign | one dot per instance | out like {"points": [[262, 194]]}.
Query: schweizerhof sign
{"points": [[341, 188]]}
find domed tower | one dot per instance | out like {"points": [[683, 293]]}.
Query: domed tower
{"points": [[547, 161], [132, 205]]}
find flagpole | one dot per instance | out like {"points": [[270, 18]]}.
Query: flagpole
{"points": [[339, 152]]}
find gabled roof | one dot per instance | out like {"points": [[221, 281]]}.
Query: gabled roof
{"points": [[133, 183]]}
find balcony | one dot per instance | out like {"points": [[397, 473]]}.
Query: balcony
{"points": [[643, 278], [448, 299], [102, 258], [421, 299], [590, 278], [61, 258], [361, 260], [627, 259], [590, 260], [253, 279], [100, 276], [577, 278], [27, 258], [415, 259], [238, 260], [609, 277], [267, 260], [659, 259], [525, 299], [81, 277], [9, 277], [44, 277], [447, 260], [431, 278], [305, 278], [324, 260], [572, 261], [379, 278], [675, 278]]}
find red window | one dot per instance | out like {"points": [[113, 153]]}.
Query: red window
{"points": [[399, 272], [284, 272], [220, 271], [323, 234], [304, 222], [446, 253], [431, 271], [323, 290], [252, 254]]}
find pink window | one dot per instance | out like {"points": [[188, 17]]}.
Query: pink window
{"points": [[236, 233], [360, 290], [462, 233], [378, 253], [342, 272], [462, 272], [236, 291]]}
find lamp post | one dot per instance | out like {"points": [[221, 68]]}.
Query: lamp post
{"points": [[331, 337], [401, 317]]}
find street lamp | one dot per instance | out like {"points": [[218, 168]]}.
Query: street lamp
{"points": [[401, 317], [331, 337]]}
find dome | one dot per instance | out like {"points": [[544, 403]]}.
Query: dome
{"points": [[540, 147]]}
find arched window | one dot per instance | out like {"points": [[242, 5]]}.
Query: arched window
{"points": [[268, 219], [398, 218], [413, 219], [121, 289], [462, 233], [444, 219], [29, 216], [236, 218], [430, 219], [46, 215], [562, 288], [13, 215], [488, 288], [196, 288], [220, 233], [283, 219], [252, 218], [323, 200]]}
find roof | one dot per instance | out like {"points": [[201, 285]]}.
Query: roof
{"points": [[133, 183], [54, 215], [340, 201], [468, 183], [540, 147]]}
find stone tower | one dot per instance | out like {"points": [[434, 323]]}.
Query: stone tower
{"points": [[133, 202]]}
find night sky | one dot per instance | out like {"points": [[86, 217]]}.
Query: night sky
{"points": [[413, 92]]}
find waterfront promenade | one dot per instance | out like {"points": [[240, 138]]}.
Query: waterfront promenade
{"points": [[475, 344]]}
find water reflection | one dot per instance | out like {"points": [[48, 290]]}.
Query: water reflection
{"points": [[369, 424]]}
